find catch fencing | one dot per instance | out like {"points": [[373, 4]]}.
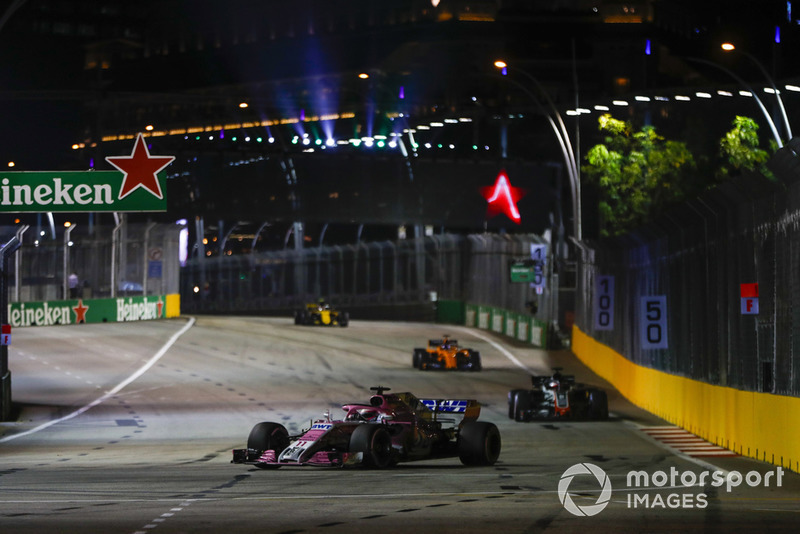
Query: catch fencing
{"points": [[746, 231], [385, 274], [109, 261]]}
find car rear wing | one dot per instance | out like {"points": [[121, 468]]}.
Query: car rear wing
{"points": [[470, 408]]}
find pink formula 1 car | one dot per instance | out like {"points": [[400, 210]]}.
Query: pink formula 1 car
{"points": [[392, 428]]}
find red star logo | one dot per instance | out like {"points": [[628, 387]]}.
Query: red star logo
{"points": [[80, 312], [503, 197], [140, 169]]}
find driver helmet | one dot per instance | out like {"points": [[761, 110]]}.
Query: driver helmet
{"points": [[368, 414]]}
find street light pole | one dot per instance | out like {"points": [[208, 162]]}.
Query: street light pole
{"points": [[729, 47], [744, 84], [562, 136]]}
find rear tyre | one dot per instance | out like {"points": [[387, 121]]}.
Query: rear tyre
{"points": [[268, 436], [375, 442], [344, 319], [479, 443], [416, 360], [299, 318]]}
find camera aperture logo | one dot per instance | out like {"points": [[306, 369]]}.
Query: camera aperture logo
{"points": [[566, 498], [644, 490]]}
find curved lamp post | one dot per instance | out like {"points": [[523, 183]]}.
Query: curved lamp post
{"points": [[744, 84], [729, 47], [562, 136]]}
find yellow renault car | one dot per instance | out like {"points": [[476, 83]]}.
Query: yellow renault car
{"points": [[321, 313]]}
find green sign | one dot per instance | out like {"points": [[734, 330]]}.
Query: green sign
{"points": [[73, 191], [138, 185], [522, 271], [108, 310]]}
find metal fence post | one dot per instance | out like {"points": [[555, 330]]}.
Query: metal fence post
{"points": [[114, 247], [18, 264], [5, 374], [65, 269], [146, 257]]}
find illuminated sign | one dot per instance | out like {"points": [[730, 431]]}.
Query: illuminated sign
{"points": [[502, 198], [139, 186]]}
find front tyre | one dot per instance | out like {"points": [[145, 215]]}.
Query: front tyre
{"points": [[344, 319], [268, 436], [598, 405], [512, 402], [424, 360], [375, 442], [479, 443], [416, 360], [522, 405]]}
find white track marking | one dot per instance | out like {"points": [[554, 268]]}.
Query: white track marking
{"points": [[157, 356], [498, 346]]}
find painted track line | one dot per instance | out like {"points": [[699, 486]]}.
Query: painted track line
{"points": [[498, 346], [152, 361]]}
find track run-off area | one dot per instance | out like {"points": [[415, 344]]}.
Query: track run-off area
{"points": [[129, 427]]}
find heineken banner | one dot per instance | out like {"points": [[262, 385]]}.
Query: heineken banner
{"points": [[138, 185], [114, 310]]}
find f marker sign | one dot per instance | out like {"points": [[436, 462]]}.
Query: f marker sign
{"points": [[749, 296]]}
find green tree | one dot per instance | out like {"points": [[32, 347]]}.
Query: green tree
{"points": [[637, 174], [740, 150]]}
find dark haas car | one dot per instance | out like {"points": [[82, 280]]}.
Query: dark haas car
{"points": [[321, 314], [392, 428], [445, 353], [557, 396]]}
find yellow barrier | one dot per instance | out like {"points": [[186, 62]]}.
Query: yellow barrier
{"points": [[758, 425], [173, 305]]}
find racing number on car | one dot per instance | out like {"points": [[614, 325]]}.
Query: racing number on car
{"points": [[604, 303], [653, 318]]}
